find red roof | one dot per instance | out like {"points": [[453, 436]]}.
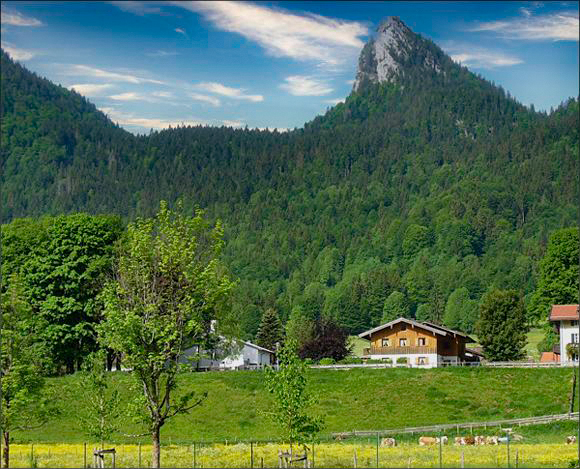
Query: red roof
{"points": [[563, 312], [549, 357]]}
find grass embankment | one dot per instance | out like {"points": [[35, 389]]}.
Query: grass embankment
{"points": [[325, 455], [369, 399]]}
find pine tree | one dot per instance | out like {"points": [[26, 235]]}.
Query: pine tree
{"points": [[270, 331]]}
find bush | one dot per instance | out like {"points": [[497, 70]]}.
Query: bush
{"points": [[402, 360], [388, 360], [351, 361], [327, 361], [309, 361], [373, 360]]}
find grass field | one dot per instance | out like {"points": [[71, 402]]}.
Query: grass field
{"points": [[343, 454], [357, 399]]}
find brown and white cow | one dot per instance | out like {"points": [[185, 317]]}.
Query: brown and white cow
{"points": [[464, 440], [480, 440], [388, 442], [570, 440], [427, 440], [444, 440], [491, 440]]}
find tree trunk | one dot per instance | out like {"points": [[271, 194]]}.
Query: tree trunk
{"points": [[6, 449], [156, 450]]}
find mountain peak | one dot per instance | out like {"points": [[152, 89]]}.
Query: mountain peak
{"points": [[380, 58]]}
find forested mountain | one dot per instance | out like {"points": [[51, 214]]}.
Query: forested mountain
{"points": [[425, 188]]}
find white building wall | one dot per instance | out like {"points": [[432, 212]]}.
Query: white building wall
{"points": [[568, 334], [432, 359]]}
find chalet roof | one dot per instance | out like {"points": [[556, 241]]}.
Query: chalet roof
{"points": [[475, 351], [563, 312], [451, 331], [434, 328], [250, 344], [411, 322]]}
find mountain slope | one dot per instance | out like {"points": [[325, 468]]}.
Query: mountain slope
{"points": [[426, 180]]}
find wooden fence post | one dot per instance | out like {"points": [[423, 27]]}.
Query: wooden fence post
{"points": [[251, 454], [377, 450], [140, 455], [355, 460], [85, 456]]}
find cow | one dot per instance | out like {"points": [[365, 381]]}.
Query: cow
{"points": [[444, 440], [480, 440], [491, 440], [340, 436], [464, 440], [570, 440], [427, 440], [388, 442]]}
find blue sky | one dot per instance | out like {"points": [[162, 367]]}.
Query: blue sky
{"points": [[273, 64]]}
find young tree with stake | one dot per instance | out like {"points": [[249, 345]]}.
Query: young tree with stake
{"points": [[168, 288]]}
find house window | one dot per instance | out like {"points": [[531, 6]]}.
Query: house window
{"points": [[422, 360], [574, 323], [385, 343], [421, 341], [575, 338], [402, 342]]}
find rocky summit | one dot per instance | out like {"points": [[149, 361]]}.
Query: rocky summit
{"points": [[381, 58]]}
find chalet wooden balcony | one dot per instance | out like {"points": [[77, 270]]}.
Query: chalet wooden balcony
{"points": [[398, 350]]}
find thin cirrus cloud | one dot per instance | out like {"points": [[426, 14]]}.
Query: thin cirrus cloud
{"points": [[92, 90], [561, 26], [234, 93], [180, 31], [146, 122], [17, 53], [204, 98], [14, 18], [137, 8], [479, 57], [299, 85], [162, 53], [306, 37], [130, 96], [84, 70]]}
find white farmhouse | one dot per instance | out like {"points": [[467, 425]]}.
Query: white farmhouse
{"points": [[565, 319], [229, 355]]}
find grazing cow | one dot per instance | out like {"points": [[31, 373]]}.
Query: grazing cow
{"points": [[388, 442], [444, 440], [464, 440], [340, 437], [480, 440], [570, 440], [491, 440], [427, 440]]}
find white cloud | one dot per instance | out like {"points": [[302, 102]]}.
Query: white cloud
{"points": [[284, 34], [147, 122], [163, 94], [130, 96], [204, 98], [16, 53], [561, 26], [91, 89], [475, 56], [137, 8], [17, 19], [161, 53], [299, 85], [180, 31], [235, 93], [84, 70], [334, 101], [232, 123]]}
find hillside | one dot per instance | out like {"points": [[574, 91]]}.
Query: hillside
{"points": [[426, 180], [355, 399]]}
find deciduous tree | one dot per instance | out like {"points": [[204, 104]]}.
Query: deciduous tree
{"points": [[168, 288]]}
